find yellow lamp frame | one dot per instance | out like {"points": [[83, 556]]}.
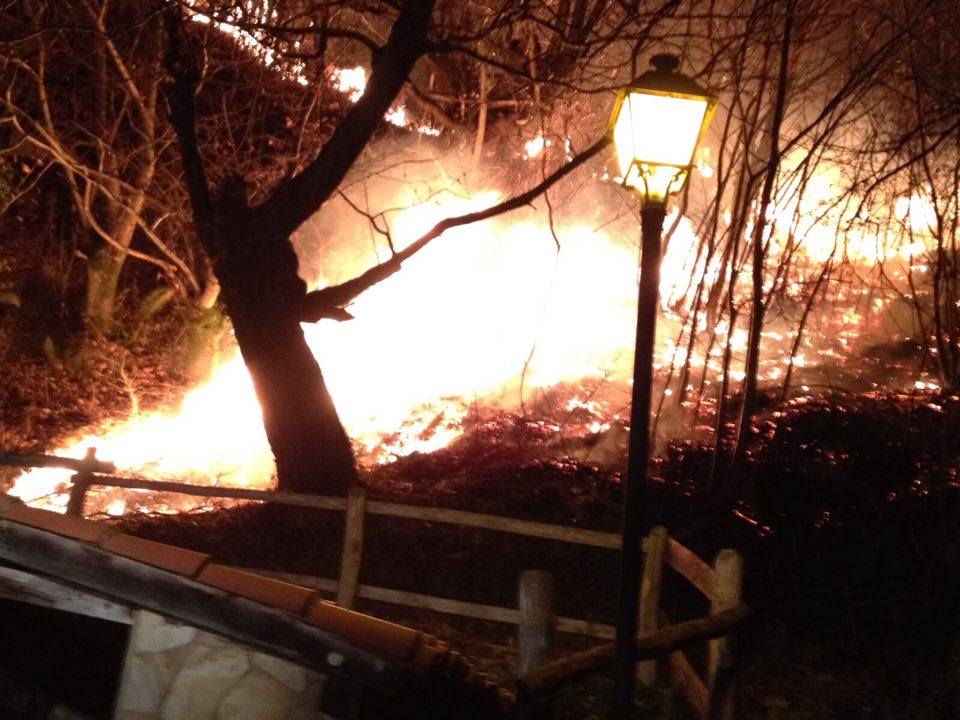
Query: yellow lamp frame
{"points": [[663, 81]]}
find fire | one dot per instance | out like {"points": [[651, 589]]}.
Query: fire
{"points": [[534, 147], [464, 320], [490, 312], [352, 82], [177, 443]]}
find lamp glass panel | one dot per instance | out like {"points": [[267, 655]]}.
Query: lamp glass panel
{"points": [[657, 129]]}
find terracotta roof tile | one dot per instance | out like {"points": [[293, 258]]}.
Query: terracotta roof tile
{"points": [[426, 655], [166, 557], [67, 525], [380, 636], [277, 593]]}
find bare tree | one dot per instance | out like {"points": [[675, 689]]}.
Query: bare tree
{"points": [[918, 181], [82, 92]]}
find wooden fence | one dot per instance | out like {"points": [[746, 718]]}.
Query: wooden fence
{"points": [[721, 583]]}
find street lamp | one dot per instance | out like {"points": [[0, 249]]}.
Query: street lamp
{"points": [[656, 125]]}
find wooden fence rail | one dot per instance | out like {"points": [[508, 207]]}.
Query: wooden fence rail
{"points": [[721, 584], [529, 528]]}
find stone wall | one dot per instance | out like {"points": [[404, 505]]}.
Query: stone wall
{"points": [[177, 672]]}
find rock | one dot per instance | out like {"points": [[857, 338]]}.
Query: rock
{"points": [[207, 675], [308, 703], [285, 672], [257, 697], [152, 633], [144, 683]]}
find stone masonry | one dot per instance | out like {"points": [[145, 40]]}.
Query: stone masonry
{"points": [[177, 672]]}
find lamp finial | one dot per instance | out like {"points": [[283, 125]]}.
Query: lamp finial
{"points": [[665, 62]]}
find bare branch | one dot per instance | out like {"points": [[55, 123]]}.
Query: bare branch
{"points": [[324, 302], [299, 197]]}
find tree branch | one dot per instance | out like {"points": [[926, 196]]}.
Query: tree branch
{"points": [[328, 302], [297, 198], [513, 203], [181, 101]]}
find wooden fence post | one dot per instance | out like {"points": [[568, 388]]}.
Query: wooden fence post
{"points": [[352, 556], [648, 617], [537, 623], [727, 591], [535, 635], [81, 481]]}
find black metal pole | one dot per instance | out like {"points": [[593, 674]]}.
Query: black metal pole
{"points": [[633, 522]]}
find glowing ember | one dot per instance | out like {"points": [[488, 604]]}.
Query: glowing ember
{"points": [[352, 82], [532, 148]]}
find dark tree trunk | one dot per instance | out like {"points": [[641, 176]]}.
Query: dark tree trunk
{"points": [[751, 385], [263, 295], [308, 441]]}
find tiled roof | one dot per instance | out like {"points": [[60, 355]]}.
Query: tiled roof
{"points": [[387, 640]]}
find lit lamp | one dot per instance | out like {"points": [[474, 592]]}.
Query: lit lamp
{"points": [[656, 125]]}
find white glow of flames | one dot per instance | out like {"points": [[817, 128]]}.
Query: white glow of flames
{"points": [[534, 147], [468, 316], [352, 82], [215, 433]]}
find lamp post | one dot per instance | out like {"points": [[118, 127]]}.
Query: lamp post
{"points": [[656, 125]]}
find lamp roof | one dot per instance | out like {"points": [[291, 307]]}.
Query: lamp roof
{"points": [[664, 78]]}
